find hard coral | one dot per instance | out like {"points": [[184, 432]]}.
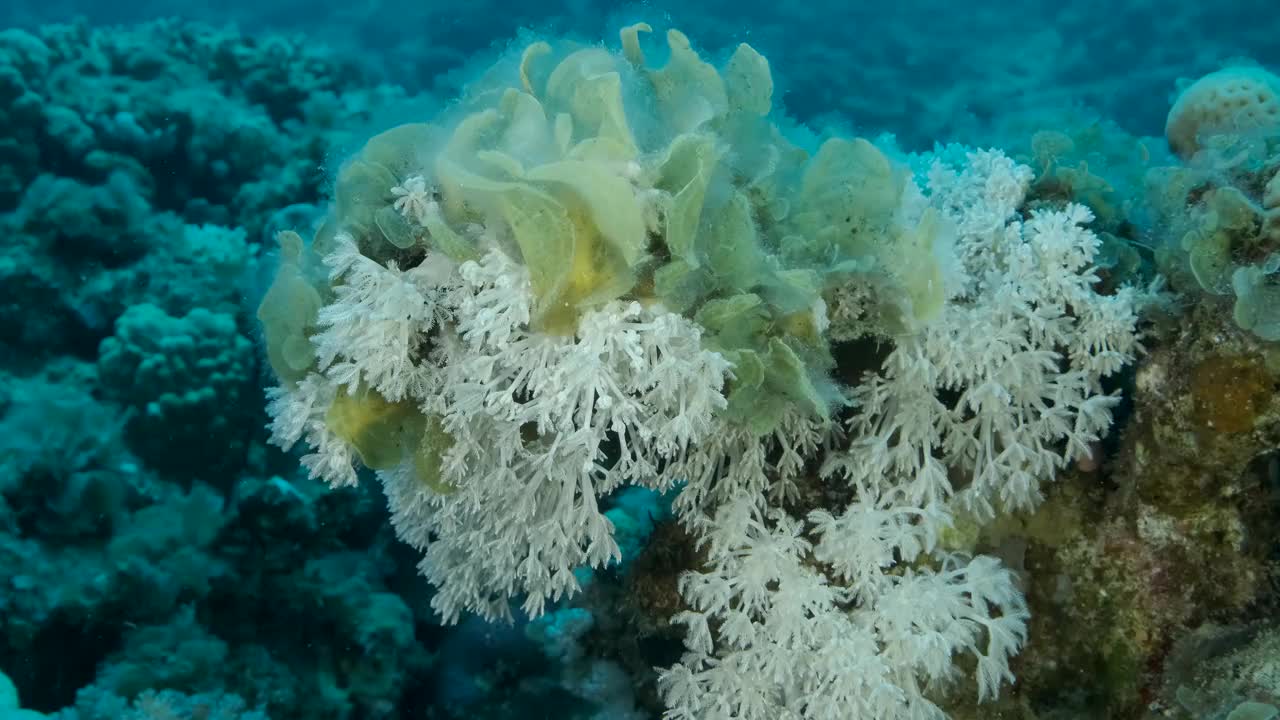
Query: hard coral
{"points": [[186, 379], [1231, 100]]}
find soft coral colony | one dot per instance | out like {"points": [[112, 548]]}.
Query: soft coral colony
{"points": [[592, 272]]}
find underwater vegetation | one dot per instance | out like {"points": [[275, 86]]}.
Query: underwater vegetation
{"points": [[609, 364]]}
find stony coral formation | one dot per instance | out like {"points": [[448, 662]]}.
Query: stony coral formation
{"points": [[1234, 100]]}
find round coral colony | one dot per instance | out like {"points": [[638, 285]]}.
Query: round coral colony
{"points": [[1234, 100]]}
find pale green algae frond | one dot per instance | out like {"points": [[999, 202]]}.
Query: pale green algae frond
{"points": [[609, 178], [290, 307]]}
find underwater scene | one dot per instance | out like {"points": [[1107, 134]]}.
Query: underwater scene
{"points": [[700, 360]]}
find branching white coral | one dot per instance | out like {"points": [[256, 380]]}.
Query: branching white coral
{"points": [[413, 200], [298, 413], [375, 329], [811, 614], [789, 642], [530, 417], [817, 617], [1019, 356]]}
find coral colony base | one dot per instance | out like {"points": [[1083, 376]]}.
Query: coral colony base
{"points": [[593, 272]]}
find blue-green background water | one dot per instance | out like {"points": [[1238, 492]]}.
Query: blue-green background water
{"points": [[925, 70]]}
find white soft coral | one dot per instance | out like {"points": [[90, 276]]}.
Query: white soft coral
{"points": [[374, 330], [530, 429], [529, 418], [298, 413], [772, 634], [819, 618], [414, 200], [1006, 385], [373, 334], [812, 616]]}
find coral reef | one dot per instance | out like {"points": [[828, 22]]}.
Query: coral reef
{"points": [[605, 273], [145, 535], [658, 372], [130, 156], [186, 383]]}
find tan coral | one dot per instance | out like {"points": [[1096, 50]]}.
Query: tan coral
{"points": [[1231, 100], [1271, 195], [1271, 201]]}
